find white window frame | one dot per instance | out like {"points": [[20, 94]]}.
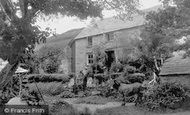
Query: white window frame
{"points": [[90, 60]]}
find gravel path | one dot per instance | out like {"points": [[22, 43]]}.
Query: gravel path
{"points": [[94, 107]]}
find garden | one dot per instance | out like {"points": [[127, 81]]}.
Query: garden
{"points": [[130, 85]]}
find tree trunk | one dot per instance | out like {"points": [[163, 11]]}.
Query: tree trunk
{"points": [[6, 74], [156, 78]]}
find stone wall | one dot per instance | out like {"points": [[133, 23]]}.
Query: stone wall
{"points": [[80, 55], [65, 66], [125, 38], [182, 79]]}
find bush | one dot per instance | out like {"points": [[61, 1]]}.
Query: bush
{"points": [[136, 77], [52, 88], [31, 97], [116, 67], [49, 58], [129, 69], [163, 96], [67, 94], [48, 78]]}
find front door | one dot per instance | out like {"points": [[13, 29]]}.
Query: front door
{"points": [[110, 58]]}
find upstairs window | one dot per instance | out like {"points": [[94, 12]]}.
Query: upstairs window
{"points": [[89, 41], [110, 36], [90, 58]]}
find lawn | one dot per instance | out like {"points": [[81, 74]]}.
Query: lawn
{"points": [[103, 106], [132, 110]]}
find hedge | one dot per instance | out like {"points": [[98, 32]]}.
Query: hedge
{"points": [[48, 78]]}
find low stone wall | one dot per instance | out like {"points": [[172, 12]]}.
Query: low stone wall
{"points": [[183, 79]]}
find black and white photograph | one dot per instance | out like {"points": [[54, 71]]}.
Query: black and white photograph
{"points": [[94, 57]]}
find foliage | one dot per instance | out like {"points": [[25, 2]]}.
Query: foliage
{"points": [[67, 94], [100, 55], [31, 97], [20, 33], [116, 67], [136, 77], [162, 29], [107, 92], [10, 91], [129, 55], [48, 78], [156, 46], [162, 96], [5, 96], [57, 105], [49, 58], [51, 89]]}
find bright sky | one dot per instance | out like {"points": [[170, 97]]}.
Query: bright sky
{"points": [[61, 24]]}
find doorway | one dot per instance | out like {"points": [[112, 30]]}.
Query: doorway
{"points": [[110, 58]]}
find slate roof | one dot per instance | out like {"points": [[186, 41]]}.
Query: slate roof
{"points": [[114, 24], [176, 65], [61, 40]]}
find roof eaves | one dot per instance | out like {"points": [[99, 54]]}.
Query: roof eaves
{"points": [[76, 38]]}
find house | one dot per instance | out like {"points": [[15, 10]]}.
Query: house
{"points": [[114, 34], [63, 42], [176, 69]]}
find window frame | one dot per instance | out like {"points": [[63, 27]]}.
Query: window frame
{"points": [[89, 41], [110, 36], [90, 58]]}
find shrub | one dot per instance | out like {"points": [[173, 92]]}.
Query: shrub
{"points": [[49, 58], [48, 78], [163, 96], [57, 105], [52, 88], [129, 69], [106, 91], [31, 97], [4, 97], [116, 67], [136, 77], [67, 94]]}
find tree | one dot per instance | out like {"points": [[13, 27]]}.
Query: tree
{"points": [[162, 29], [156, 44], [49, 59], [20, 34]]}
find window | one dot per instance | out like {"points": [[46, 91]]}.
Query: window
{"points": [[89, 41], [109, 36], [90, 58]]}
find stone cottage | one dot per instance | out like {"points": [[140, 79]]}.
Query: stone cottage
{"points": [[114, 34]]}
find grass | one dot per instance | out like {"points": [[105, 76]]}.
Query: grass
{"points": [[121, 110], [133, 110]]}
